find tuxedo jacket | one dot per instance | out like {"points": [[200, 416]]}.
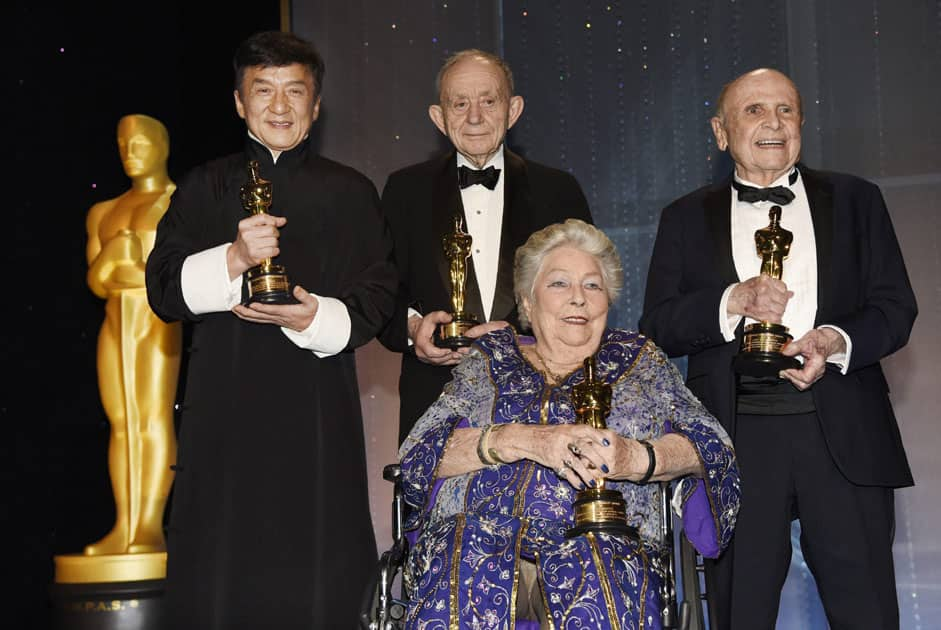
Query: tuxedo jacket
{"points": [[862, 287], [420, 202]]}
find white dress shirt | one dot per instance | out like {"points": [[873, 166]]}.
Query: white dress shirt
{"points": [[484, 211]]}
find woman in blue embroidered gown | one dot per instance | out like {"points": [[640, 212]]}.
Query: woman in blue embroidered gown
{"points": [[491, 470]]}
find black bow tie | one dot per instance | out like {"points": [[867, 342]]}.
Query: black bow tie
{"points": [[781, 195], [487, 177]]}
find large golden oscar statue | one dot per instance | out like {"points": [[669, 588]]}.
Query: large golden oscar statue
{"points": [[138, 365]]}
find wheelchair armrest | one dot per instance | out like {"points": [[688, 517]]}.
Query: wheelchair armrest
{"points": [[391, 472]]}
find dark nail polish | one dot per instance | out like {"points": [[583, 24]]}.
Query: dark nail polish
{"points": [[606, 442], [592, 482], [604, 467]]}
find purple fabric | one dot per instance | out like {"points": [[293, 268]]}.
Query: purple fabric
{"points": [[412, 535], [699, 524]]}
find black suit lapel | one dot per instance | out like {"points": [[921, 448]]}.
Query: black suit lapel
{"points": [[446, 202], [515, 206], [718, 209], [820, 198]]}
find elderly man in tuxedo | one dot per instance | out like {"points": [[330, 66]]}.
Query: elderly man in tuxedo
{"points": [[817, 442], [500, 199]]}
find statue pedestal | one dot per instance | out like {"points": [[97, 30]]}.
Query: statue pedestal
{"points": [[109, 592]]}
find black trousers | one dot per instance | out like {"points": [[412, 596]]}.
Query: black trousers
{"points": [[847, 532]]}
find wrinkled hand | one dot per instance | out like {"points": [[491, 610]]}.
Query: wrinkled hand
{"points": [[578, 453], [421, 330], [482, 329], [814, 347], [762, 298], [629, 458], [257, 240], [297, 317]]}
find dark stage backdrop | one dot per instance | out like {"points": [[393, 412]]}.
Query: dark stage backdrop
{"points": [[620, 94]]}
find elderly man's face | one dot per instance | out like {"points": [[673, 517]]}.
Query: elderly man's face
{"points": [[279, 104], [476, 109], [760, 124], [569, 306]]}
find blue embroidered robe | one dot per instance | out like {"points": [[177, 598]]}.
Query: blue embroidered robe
{"points": [[473, 529]]}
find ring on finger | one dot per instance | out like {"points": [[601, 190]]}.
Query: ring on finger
{"points": [[573, 448], [567, 463]]}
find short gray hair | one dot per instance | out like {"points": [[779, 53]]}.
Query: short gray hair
{"points": [[474, 53], [572, 233]]}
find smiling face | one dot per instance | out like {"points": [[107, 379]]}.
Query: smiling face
{"points": [[760, 124], [279, 104], [569, 304], [476, 108]]}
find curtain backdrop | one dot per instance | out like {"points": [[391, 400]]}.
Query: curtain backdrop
{"points": [[620, 94]]}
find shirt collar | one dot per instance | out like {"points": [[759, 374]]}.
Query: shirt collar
{"points": [[784, 180], [496, 160]]}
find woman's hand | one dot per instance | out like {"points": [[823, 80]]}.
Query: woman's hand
{"points": [[576, 452], [628, 457], [605, 454], [623, 458], [673, 456]]}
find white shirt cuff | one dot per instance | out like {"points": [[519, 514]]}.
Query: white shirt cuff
{"points": [[727, 323], [411, 313], [204, 280], [330, 331], [841, 359]]}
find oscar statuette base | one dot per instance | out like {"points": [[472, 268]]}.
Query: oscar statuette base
{"points": [[760, 355], [600, 510], [451, 335], [108, 592], [268, 285]]}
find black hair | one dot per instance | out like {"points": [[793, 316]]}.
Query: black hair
{"points": [[276, 49]]}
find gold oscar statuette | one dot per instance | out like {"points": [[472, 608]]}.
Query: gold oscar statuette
{"points": [[760, 354], [138, 364], [597, 509], [267, 283], [457, 247]]}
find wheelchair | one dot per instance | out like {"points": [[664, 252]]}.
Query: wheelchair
{"points": [[384, 604]]}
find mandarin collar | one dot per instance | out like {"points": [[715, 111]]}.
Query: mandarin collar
{"points": [[258, 151]]}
